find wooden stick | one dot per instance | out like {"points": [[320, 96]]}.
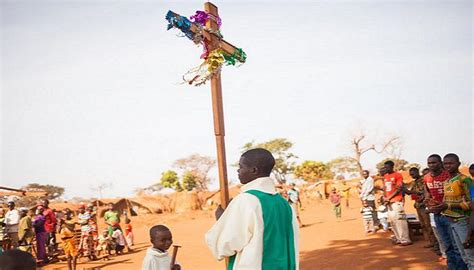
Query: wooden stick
{"points": [[218, 111], [175, 253], [13, 189]]}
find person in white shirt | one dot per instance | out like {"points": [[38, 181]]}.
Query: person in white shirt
{"points": [[367, 194], [294, 199], [258, 229], [382, 215], [119, 239], [12, 218], [157, 257]]}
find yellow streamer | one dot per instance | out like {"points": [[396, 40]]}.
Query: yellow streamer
{"points": [[204, 72]]}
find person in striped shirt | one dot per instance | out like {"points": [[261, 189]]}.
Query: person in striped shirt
{"points": [[367, 216]]}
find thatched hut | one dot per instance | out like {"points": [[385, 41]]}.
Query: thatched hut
{"points": [[123, 205], [186, 201], [157, 204]]}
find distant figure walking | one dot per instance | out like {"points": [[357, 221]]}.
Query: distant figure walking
{"points": [[335, 199]]}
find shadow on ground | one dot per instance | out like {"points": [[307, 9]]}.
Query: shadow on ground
{"points": [[372, 253]]}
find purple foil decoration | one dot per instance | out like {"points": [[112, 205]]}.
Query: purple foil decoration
{"points": [[200, 17]]}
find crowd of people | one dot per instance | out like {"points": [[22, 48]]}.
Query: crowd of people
{"points": [[19, 228], [36, 231], [259, 229], [442, 199]]}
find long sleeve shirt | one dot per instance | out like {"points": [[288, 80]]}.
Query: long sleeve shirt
{"points": [[367, 191]]}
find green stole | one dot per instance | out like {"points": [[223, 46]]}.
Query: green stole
{"points": [[278, 238]]}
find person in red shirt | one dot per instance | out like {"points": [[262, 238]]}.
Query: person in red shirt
{"points": [[434, 186], [128, 232], [393, 198], [49, 225]]}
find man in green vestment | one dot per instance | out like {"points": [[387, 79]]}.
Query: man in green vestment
{"points": [[258, 230]]}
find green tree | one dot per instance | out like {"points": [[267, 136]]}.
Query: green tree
{"points": [[189, 181], [313, 171], [54, 192], [342, 165], [284, 160], [169, 179], [400, 164]]}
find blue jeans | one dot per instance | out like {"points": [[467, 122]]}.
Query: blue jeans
{"points": [[443, 225], [460, 231]]}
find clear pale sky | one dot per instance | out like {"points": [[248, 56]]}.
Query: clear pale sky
{"points": [[91, 93]]}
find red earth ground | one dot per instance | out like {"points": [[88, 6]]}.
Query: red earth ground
{"points": [[325, 243]]}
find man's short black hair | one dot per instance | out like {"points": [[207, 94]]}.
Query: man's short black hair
{"points": [[452, 155], [438, 157], [366, 171], [414, 169], [389, 163], [471, 167], [260, 158], [15, 259], [157, 228]]}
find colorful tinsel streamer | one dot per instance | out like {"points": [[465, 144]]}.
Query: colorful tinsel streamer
{"points": [[213, 60], [202, 17], [183, 24], [211, 65]]}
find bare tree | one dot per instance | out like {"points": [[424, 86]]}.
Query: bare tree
{"points": [[199, 166], [101, 187], [390, 145]]}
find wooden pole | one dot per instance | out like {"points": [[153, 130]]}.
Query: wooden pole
{"points": [[218, 110], [173, 257]]}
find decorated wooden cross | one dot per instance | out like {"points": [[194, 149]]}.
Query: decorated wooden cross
{"points": [[203, 28]]}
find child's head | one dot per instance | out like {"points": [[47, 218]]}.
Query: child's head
{"points": [[68, 213], [82, 208], [23, 212], [39, 210], [160, 237], [105, 233], [414, 172], [365, 203], [127, 221], [2, 212]]}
